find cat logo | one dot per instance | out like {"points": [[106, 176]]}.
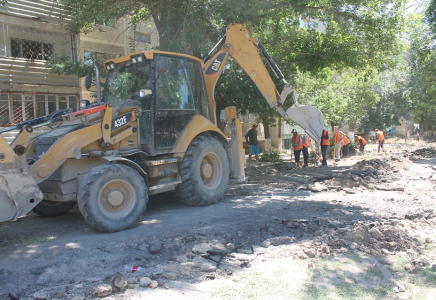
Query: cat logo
{"points": [[216, 64]]}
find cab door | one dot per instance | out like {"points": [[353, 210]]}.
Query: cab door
{"points": [[175, 101]]}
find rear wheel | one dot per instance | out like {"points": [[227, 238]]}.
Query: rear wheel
{"points": [[112, 197], [204, 172], [47, 208]]}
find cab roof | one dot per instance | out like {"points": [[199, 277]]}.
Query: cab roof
{"points": [[149, 54]]}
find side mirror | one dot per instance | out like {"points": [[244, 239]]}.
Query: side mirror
{"points": [[88, 82], [84, 103]]}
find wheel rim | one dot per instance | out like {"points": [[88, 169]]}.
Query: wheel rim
{"points": [[211, 170], [116, 198]]}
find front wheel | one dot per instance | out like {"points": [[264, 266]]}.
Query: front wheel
{"points": [[112, 197], [204, 172]]}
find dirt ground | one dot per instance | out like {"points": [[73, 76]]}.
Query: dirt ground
{"points": [[362, 228]]}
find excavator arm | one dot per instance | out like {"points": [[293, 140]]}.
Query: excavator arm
{"points": [[246, 50]]}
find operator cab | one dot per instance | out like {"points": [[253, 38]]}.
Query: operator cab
{"points": [[169, 89]]}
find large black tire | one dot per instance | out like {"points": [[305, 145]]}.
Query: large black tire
{"points": [[204, 172], [47, 208], [112, 197]]}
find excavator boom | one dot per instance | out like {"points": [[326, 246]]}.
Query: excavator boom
{"points": [[245, 50]]}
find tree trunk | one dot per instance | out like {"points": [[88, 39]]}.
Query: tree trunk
{"points": [[333, 126], [352, 126]]}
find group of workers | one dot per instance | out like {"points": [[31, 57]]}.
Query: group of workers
{"points": [[302, 143]]}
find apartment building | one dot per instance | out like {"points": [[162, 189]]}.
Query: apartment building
{"points": [[30, 33]]}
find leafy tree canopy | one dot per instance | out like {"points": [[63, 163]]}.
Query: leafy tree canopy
{"points": [[422, 64], [431, 15], [358, 33]]}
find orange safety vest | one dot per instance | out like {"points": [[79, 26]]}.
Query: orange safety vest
{"points": [[346, 140], [296, 143], [307, 141], [325, 138], [338, 137], [361, 140], [381, 136]]}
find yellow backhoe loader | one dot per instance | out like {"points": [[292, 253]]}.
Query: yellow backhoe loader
{"points": [[153, 129]]}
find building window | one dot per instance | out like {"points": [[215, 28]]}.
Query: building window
{"points": [[17, 107], [108, 22], [98, 56], [31, 49], [142, 37]]}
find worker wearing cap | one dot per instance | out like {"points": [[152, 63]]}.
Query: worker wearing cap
{"points": [[381, 139], [325, 143], [339, 142], [361, 142], [306, 141], [297, 145], [251, 138], [346, 145]]}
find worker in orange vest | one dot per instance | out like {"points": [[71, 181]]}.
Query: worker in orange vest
{"points": [[361, 142], [381, 139], [346, 145], [339, 142], [325, 143], [297, 145], [307, 143]]}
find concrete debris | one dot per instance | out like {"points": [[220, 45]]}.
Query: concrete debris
{"points": [[277, 241], [156, 247], [144, 281], [119, 282], [389, 188], [100, 290], [399, 288], [317, 187], [411, 268]]}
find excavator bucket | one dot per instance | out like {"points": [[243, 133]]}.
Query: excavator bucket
{"points": [[309, 118], [19, 193]]}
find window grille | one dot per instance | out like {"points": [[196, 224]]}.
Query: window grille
{"points": [[16, 108], [31, 49]]}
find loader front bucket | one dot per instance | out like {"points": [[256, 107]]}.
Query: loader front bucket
{"points": [[309, 118], [19, 193]]}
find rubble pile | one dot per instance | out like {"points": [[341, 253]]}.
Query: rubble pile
{"points": [[379, 238], [370, 168], [422, 153]]}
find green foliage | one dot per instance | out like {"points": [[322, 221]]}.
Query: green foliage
{"points": [[235, 88], [354, 146], [272, 156], [132, 44], [359, 38], [422, 68], [62, 65], [341, 96], [431, 15]]}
